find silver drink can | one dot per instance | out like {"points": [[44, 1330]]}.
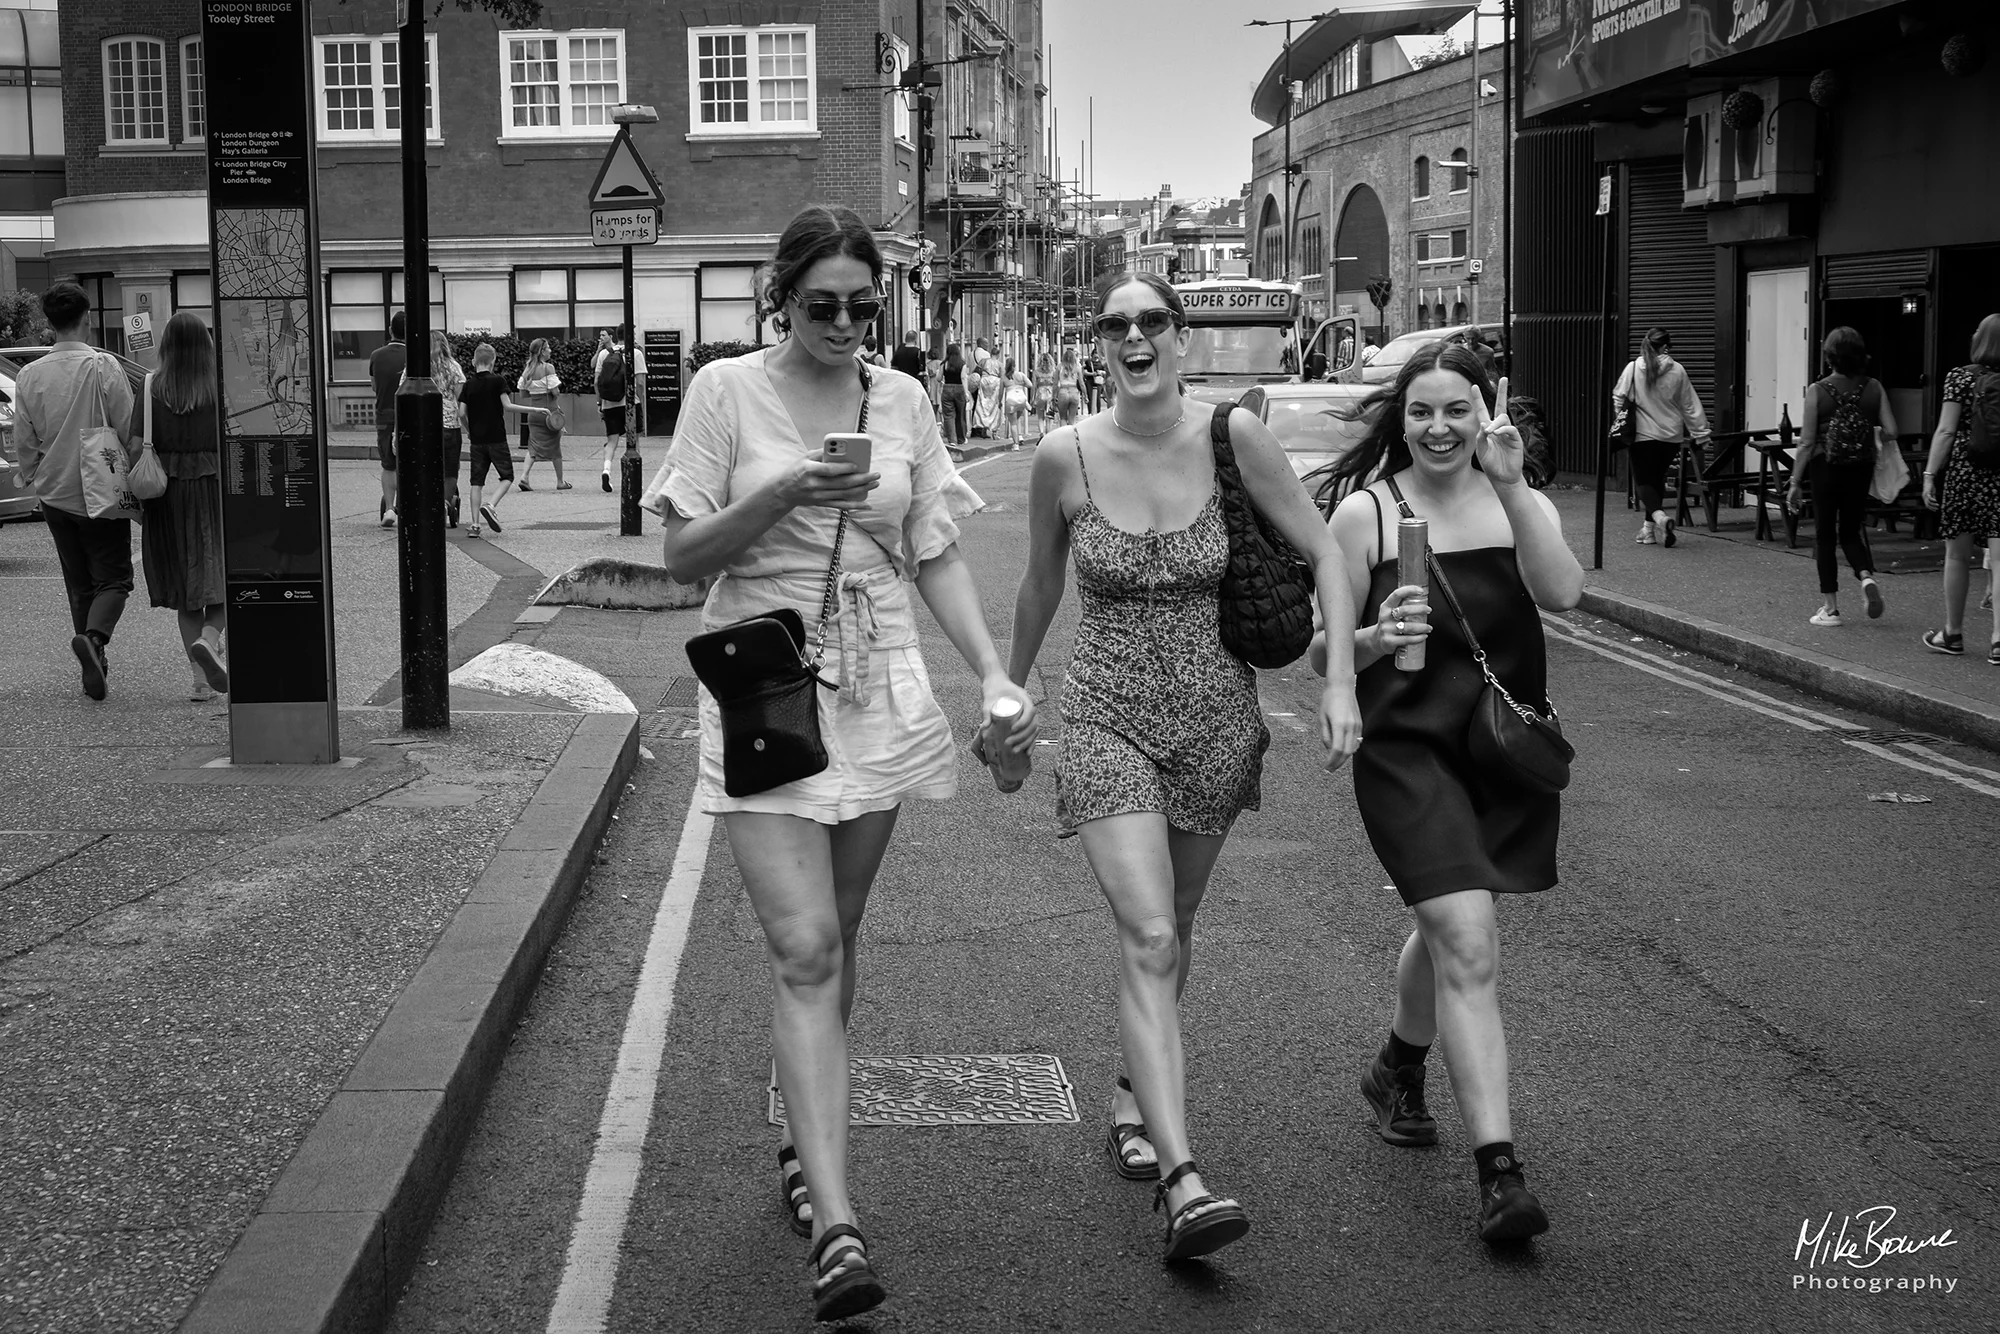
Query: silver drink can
{"points": [[1413, 538], [1009, 769]]}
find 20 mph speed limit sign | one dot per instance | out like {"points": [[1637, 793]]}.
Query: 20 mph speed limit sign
{"points": [[624, 226]]}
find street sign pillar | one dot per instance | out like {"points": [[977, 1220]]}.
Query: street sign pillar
{"points": [[264, 255], [625, 202]]}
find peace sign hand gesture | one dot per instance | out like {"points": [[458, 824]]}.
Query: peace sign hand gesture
{"points": [[1499, 447]]}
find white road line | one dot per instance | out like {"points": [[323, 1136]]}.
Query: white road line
{"points": [[990, 458], [1927, 753], [1745, 698], [583, 1298], [1823, 719]]}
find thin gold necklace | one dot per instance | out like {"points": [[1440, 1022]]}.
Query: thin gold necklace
{"points": [[1149, 435]]}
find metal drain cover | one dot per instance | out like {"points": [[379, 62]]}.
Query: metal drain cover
{"points": [[680, 694], [1016, 1090], [1892, 737]]}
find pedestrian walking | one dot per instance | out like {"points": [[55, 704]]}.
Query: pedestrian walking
{"points": [[180, 542], [1015, 427], [1656, 388], [1962, 483], [1045, 390], [986, 406], [385, 371], [609, 372], [907, 359], [538, 387], [485, 404], [953, 412], [58, 398], [1069, 388], [753, 497], [1453, 832], [1837, 445], [449, 376], [1163, 738]]}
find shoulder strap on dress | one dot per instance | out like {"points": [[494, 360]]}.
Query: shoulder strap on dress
{"points": [[1076, 437], [1381, 530]]}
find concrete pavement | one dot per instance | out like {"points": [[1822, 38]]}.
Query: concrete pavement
{"points": [[202, 966]]}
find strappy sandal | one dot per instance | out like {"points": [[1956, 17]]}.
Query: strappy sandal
{"points": [[844, 1283], [1205, 1223], [1119, 1144], [792, 1186]]}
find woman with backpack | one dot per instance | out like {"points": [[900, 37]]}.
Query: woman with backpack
{"points": [[1658, 390], [1842, 412], [609, 370], [1962, 483]]}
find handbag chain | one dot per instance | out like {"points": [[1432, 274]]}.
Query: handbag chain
{"points": [[839, 536], [1526, 714]]}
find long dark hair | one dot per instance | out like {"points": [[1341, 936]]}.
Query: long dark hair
{"points": [[1652, 349], [820, 231], [186, 380], [954, 357], [1384, 452]]}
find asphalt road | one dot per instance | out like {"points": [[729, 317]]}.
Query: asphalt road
{"points": [[1756, 1000]]}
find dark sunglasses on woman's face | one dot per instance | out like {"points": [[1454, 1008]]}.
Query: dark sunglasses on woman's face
{"points": [[861, 310], [1152, 323]]}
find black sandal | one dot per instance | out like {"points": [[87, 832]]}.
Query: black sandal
{"points": [[1118, 1143], [1205, 1223], [845, 1283], [792, 1185]]}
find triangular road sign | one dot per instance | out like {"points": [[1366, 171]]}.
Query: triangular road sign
{"points": [[623, 179]]}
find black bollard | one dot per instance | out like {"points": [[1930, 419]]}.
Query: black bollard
{"points": [[630, 483]]}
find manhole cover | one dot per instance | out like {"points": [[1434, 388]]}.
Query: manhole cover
{"points": [[952, 1091], [1891, 737], [680, 694]]}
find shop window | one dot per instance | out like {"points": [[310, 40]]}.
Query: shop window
{"points": [[1421, 178], [194, 291], [567, 303], [359, 303], [561, 85], [755, 81], [194, 93], [135, 92], [360, 89], [31, 123]]}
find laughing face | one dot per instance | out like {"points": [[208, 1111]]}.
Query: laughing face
{"points": [[1441, 419], [1143, 364]]}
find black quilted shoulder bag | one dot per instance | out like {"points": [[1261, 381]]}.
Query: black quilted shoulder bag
{"points": [[1265, 604], [1506, 738], [766, 687]]}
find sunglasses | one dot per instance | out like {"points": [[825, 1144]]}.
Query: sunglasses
{"points": [[1152, 323], [861, 310]]}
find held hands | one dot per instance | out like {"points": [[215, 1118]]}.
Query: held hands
{"points": [[1394, 627], [838, 485], [1027, 726], [1499, 447], [1339, 723]]}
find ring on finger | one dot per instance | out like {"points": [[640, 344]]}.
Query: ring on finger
{"points": [[1399, 625]]}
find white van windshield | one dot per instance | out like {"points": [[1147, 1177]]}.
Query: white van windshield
{"points": [[1240, 349]]}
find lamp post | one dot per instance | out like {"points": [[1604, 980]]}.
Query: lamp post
{"points": [[1291, 98], [426, 628]]}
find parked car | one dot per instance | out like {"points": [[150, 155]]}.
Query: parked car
{"points": [[1307, 420], [16, 501], [1386, 364]]}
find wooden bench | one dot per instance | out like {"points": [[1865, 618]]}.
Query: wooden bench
{"points": [[1707, 479]]}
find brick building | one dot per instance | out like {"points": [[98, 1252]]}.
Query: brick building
{"points": [[1375, 191], [31, 139], [756, 120]]}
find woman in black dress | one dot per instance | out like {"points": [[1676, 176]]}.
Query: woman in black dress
{"points": [[1453, 836], [181, 544]]}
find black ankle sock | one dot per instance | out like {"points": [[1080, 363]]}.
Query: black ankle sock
{"points": [[1397, 1053], [1495, 1158]]}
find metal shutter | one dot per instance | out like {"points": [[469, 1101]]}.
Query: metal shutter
{"points": [[1670, 278], [1849, 276]]}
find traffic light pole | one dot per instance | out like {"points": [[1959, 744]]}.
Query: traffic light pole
{"points": [[420, 547]]}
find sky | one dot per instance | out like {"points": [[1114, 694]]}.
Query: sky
{"points": [[1171, 81]]}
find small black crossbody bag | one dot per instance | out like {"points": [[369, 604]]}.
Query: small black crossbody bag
{"points": [[1505, 737], [766, 687]]}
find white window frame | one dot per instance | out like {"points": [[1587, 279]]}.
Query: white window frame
{"points": [[564, 126], [380, 132], [1451, 237], [1460, 168], [194, 91], [755, 127], [139, 93], [902, 115]]}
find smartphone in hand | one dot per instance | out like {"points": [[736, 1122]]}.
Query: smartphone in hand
{"points": [[849, 447]]}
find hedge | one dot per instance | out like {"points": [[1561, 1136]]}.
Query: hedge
{"points": [[571, 356], [703, 353]]}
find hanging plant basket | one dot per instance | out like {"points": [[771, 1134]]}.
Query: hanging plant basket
{"points": [[1743, 110], [1825, 89], [1964, 55]]}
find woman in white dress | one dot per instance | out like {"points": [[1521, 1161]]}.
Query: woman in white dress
{"points": [[753, 499], [986, 409]]}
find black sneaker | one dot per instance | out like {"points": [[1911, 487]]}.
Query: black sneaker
{"points": [[492, 519], [605, 477], [1508, 1210], [1397, 1098], [92, 660]]}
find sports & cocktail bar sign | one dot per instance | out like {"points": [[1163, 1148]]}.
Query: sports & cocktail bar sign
{"points": [[1574, 49]]}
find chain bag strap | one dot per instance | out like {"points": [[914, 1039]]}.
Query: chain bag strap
{"points": [[839, 537], [1504, 734]]}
